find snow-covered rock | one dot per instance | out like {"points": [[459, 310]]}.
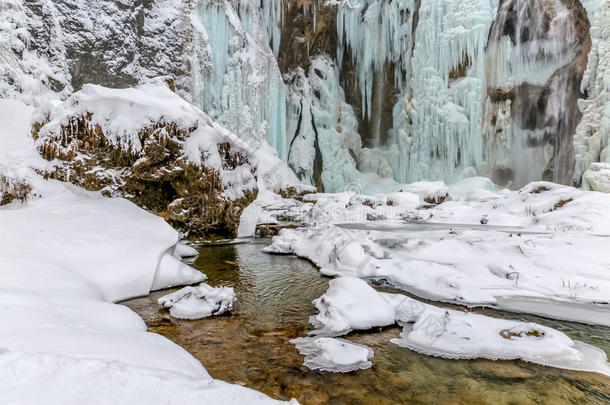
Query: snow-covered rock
{"points": [[149, 145], [350, 304], [199, 302], [333, 354]]}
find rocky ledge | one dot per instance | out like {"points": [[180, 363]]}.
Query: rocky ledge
{"points": [[152, 147]]}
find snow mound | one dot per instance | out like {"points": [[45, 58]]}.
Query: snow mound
{"points": [[462, 335], [350, 304], [332, 354], [199, 302], [429, 192]]}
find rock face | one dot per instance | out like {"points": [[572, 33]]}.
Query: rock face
{"points": [[114, 43], [170, 159]]}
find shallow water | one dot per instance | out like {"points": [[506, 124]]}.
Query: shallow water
{"points": [[251, 346]]}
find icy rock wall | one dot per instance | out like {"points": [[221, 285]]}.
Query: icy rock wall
{"points": [[325, 143], [592, 138], [235, 76], [60, 45], [447, 88]]}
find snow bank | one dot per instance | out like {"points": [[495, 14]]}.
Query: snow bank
{"points": [[65, 255], [332, 354], [454, 334], [199, 302]]}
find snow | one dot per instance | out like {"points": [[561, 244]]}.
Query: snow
{"points": [[64, 380], [333, 354], [352, 304], [10, 111], [173, 272], [199, 302], [66, 255], [182, 250], [455, 334], [540, 250]]}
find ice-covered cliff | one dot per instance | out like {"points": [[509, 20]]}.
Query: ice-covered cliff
{"points": [[347, 92]]}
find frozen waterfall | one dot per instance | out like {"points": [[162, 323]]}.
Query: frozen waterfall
{"points": [[475, 86]]}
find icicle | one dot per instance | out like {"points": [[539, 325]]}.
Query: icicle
{"points": [[236, 79]]}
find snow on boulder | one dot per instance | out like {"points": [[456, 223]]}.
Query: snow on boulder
{"points": [[149, 145], [350, 304], [430, 192], [199, 302], [333, 354]]}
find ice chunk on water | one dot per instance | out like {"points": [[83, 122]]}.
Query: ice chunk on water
{"points": [[199, 302], [332, 354]]}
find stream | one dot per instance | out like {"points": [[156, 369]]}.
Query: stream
{"points": [[251, 346]]}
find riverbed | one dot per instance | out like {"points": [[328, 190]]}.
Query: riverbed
{"points": [[251, 346]]}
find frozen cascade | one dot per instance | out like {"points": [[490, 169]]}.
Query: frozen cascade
{"points": [[437, 122], [235, 75], [272, 16], [460, 70], [535, 57], [592, 138], [323, 127], [375, 33]]}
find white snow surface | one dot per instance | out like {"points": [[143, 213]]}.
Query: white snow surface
{"points": [[541, 250], [199, 302], [333, 354], [65, 255], [352, 304]]}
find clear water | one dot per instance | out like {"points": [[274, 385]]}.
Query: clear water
{"points": [[251, 346]]}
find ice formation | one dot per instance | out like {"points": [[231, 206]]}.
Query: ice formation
{"points": [[323, 127], [235, 75], [500, 242], [333, 354], [592, 138], [440, 332], [456, 71]]}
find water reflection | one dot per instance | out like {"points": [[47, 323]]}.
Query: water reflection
{"points": [[251, 346]]}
